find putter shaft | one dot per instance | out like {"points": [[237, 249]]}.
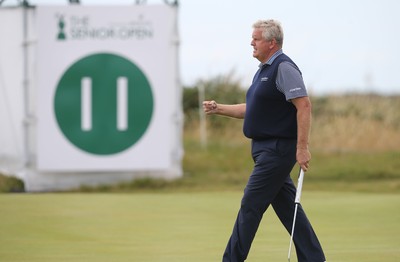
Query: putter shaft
{"points": [[297, 202]]}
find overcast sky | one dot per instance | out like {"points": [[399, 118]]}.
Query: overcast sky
{"points": [[339, 45]]}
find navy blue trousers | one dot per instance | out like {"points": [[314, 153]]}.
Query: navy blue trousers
{"points": [[270, 184]]}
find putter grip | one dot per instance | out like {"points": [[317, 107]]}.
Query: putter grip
{"points": [[299, 186]]}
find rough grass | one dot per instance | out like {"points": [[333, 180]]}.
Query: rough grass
{"points": [[358, 171], [355, 146], [361, 123]]}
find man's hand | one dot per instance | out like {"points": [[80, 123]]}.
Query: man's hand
{"points": [[210, 107], [303, 157]]}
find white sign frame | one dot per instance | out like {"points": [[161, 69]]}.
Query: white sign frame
{"points": [[154, 55]]}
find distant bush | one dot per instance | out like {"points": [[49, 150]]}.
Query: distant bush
{"points": [[9, 184]]}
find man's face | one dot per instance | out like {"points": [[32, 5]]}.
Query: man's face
{"points": [[261, 47]]}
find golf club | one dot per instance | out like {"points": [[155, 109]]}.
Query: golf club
{"points": [[297, 202]]}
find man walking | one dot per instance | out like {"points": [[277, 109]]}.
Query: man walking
{"points": [[277, 119]]}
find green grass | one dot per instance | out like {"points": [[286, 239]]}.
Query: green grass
{"points": [[187, 227]]}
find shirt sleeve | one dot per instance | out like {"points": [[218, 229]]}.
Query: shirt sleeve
{"points": [[290, 82]]}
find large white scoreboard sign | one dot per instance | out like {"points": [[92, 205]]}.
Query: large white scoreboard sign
{"points": [[106, 79]]}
